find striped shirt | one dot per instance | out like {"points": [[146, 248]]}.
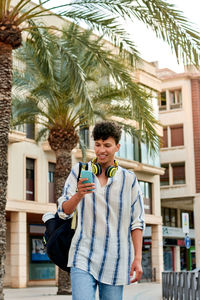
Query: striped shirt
{"points": [[102, 244]]}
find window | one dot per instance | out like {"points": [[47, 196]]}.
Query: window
{"points": [[169, 216], [177, 135], [175, 99], [30, 179], [146, 188], [30, 131], [164, 179], [130, 147], [51, 172], [163, 101], [127, 146], [164, 142], [178, 173], [175, 172], [137, 149]]}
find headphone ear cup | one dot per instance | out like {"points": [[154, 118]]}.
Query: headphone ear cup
{"points": [[110, 171], [96, 169]]}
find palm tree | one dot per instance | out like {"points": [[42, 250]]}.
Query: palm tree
{"points": [[13, 20], [102, 15], [46, 93]]}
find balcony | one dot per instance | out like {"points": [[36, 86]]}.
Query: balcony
{"points": [[16, 136]]}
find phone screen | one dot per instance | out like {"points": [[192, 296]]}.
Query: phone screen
{"points": [[87, 174]]}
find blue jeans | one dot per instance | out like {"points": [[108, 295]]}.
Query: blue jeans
{"points": [[84, 287]]}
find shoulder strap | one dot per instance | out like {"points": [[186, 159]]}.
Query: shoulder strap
{"points": [[74, 218], [83, 166], [79, 171]]}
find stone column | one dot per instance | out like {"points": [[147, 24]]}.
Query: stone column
{"points": [[177, 259], [157, 251], [197, 231], [178, 217], [18, 250]]}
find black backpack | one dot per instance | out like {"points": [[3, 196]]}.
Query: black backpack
{"points": [[58, 236]]}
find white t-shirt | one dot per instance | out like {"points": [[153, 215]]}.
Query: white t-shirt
{"points": [[102, 244]]}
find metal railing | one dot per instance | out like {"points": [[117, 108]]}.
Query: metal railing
{"points": [[181, 285]]}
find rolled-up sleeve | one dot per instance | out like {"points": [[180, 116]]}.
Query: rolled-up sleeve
{"points": [[69, 190], [137, 207]]}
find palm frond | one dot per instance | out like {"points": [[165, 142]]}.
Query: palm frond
{"points": [[41, 133], [171, 26], [107, 25], [55, 94]]}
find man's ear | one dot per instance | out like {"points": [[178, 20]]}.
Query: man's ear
{"points": [[118, 147]]}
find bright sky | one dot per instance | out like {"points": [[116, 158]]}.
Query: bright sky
{"points": [[153, 49]]}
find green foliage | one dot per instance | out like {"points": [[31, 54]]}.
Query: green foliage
{"points": [[106, 17], [61, 92]]}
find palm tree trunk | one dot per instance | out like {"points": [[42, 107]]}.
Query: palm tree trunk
{"points": [[62, 170], [5, 110]]}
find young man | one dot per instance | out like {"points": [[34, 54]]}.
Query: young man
{"points": [[110, 222]]}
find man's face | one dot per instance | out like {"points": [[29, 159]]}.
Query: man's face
{"points": [[105, 151]]}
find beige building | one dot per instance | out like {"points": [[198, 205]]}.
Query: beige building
{"points": [[31, 194], [180, 186]]}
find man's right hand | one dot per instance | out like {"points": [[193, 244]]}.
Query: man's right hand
{"points": [[82, 189], [85, 188]]}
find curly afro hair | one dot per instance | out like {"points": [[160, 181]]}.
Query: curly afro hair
{"points": [[105, 129]]}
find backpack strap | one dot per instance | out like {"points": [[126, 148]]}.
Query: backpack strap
{"points": [[79, 171], [74, 218]]}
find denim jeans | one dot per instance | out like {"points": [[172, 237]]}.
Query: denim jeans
{"points": [[84, 287]]}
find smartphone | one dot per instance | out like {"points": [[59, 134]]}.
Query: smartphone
{"points": [[87, 174]]}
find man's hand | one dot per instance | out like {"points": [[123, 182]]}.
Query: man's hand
{"points": [[85, 188], [137, 268]]}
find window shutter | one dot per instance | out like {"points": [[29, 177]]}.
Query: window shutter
{"points": [[164, 143], [178, 174], [177, 135]]}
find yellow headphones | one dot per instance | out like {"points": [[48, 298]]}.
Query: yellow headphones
{"points": [[97, 169]]}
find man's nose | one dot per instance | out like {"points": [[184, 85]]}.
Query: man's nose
{"points": [[102, 148]]}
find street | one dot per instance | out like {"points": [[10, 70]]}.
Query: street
{"points": [[141, 291]]}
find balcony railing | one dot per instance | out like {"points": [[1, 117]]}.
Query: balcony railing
{"points": [[162, 107], [175, 105]]}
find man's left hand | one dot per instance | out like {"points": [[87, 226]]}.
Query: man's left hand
{"points": [[137, 268]]}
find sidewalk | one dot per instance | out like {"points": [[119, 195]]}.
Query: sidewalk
{"points": [[141, 291]]}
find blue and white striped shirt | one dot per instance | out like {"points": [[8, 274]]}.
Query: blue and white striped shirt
{"points": [[102, 244]]}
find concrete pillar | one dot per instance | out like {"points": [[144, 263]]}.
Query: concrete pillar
{"points": [[157, 251], [169, 136], [168, 99], [178, 217], [177, 259], [197, 231], [18, 250]]}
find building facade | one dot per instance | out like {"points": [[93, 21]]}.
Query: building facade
{"points": [[179, 110], [31, 194]]}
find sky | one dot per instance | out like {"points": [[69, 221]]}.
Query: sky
{"points": [[152, 48]]}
